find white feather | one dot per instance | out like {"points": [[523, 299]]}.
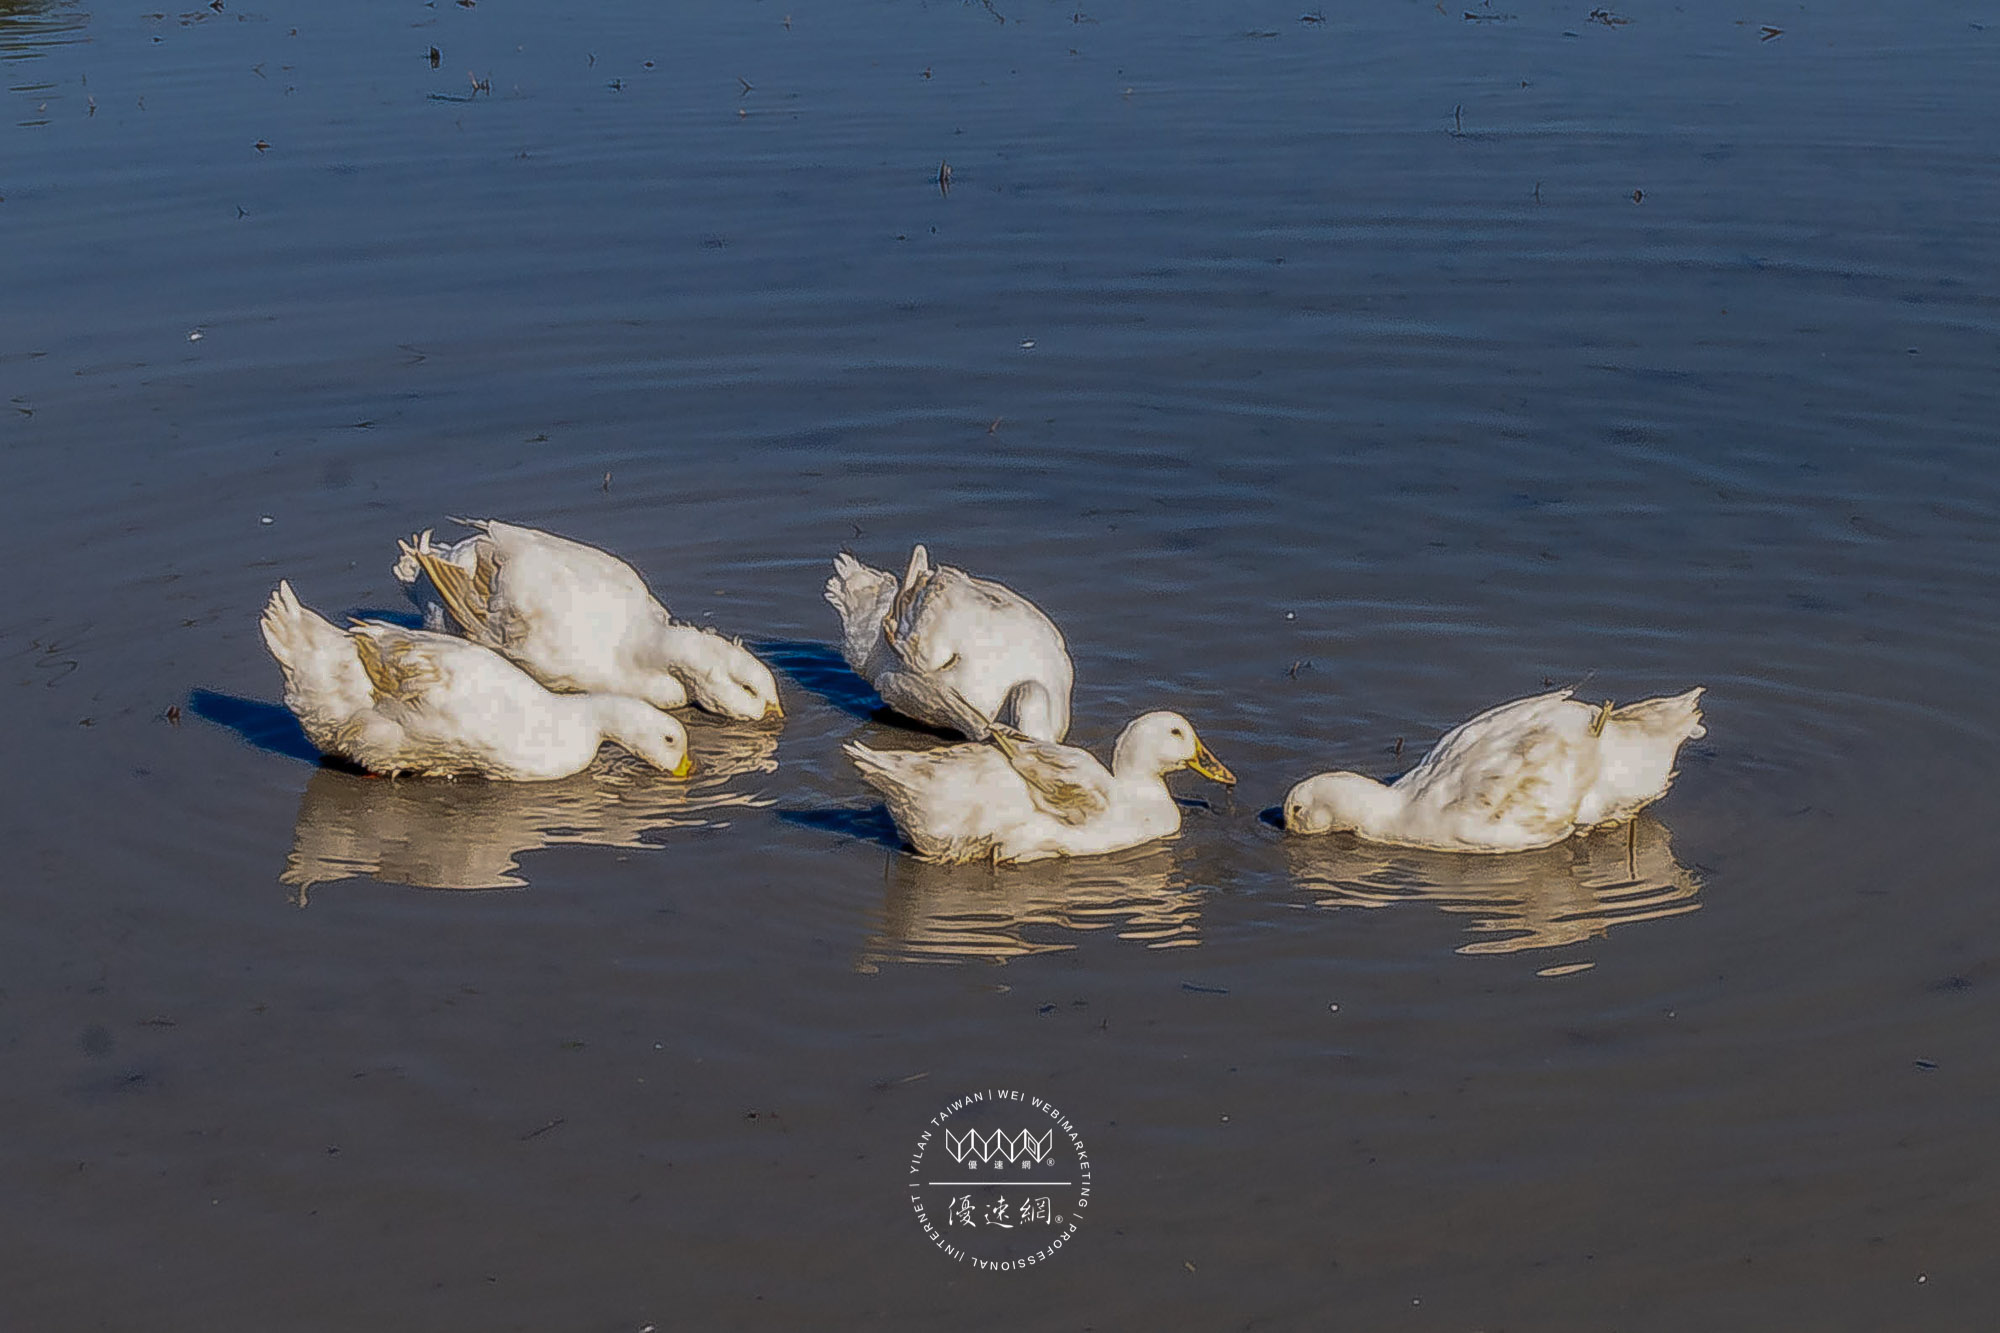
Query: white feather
{"points": [[1526, 774], [397, 700], [1014, 799], [938, 636], [578, 618]]}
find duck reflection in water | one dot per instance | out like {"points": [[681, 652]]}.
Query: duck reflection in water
{"points": [[469, 834], [1576, 890], [968, 913]]}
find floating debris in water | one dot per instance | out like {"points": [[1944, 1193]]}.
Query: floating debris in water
{"points": [[889, 1083]]}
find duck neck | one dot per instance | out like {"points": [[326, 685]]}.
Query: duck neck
{"points": [[1030, 708], [1136, 759], [632, 724], [1375, 810], [684, 648]]}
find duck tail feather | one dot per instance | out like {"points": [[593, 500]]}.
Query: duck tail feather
{"points": [[1677, 715], [861, 597]]}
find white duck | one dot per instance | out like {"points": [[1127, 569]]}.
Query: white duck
{"points": [[397, 700], [1014, 798], [941, 639], [1526, 774], [577, 618]]}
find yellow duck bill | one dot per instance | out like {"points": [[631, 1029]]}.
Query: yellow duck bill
{"points": [[1210, 767]]}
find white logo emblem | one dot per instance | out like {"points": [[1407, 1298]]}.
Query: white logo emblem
{"points": [[999, 1180], [975, 1150]]}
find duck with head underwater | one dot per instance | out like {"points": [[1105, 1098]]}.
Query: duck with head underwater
{"points": [[578, 618], [1523, 775], [952, 650], [396, 700]]}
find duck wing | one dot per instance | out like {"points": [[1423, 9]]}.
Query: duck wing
{"points": [[1064, 782], [399, 669], [466, 592], [545, 555], [573, 616], [941, 613], [1522, 767], [920, 597]]}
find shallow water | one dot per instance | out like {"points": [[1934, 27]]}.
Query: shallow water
{"points": [[1326, 381]]}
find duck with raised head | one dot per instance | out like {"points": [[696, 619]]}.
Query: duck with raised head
{"points": [[1013, 798]]}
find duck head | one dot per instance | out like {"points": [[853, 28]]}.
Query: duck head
{"points": [[654, 736], [1159, 743], [725, 678], [1336, 803]]}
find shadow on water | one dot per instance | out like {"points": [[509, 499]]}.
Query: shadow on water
{"points": [[869, 824], [406, 618], [267, 726], [821, 670], [270, 726]]}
